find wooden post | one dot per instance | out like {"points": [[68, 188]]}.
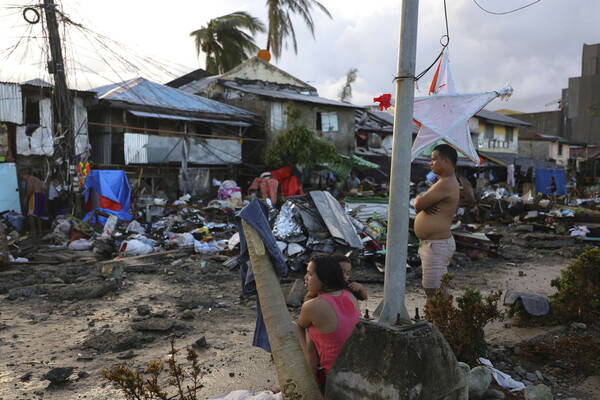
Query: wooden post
{"points": [[4, 241], [295, 378]]}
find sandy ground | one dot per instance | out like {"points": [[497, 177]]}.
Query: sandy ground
{"points": [[39, 333]]}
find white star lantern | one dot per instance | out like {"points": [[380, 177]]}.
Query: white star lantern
{"points": [[444, 115]]}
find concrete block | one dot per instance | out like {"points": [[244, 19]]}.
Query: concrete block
{"points": [[296, 294], [381, 362]]}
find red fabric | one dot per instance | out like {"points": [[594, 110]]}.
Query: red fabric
{"points": [[435, 78], [330, 344], [287, 181], [105, 202], [384, 101], [267, 187]]}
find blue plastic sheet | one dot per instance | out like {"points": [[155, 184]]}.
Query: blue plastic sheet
{"points": [[542, 181], [113, 185]]}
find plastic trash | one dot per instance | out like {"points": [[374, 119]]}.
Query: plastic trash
{"points": [[501, 378], [135, 247], [579, 231], [212, 247], [181, 239], [80, 245], [135, 226], [111, 224], [248, 395]]}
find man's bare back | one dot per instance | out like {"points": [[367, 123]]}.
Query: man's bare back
{"points": [[437, 226]]}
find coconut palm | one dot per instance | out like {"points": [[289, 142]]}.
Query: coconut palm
{"points": [[225, 41], [280, 23]]}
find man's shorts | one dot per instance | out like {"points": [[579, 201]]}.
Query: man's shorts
{"points": [[435, 257], [37, 205]]}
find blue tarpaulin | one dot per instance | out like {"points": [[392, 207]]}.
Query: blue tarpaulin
{"points": [[113, 187], [542, 181]]}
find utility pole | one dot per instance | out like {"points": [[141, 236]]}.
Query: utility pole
{"points": [[397, 238], [62, 104]]}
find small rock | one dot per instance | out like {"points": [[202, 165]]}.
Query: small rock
{"points": [[82, 375], [539, 376], [127, 355], [84, 357], [516, 350], [479, 380], [295, 297], [464, 368], [531, 377], [153, 324], [519, 370], [58, 375], [492, 394], [578, 325], [143, 309], [26, 377], [187, 314], [200, 343], [527, 383], [539, 392]]}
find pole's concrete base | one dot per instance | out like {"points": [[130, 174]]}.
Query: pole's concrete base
{"points": [[382, 362]]}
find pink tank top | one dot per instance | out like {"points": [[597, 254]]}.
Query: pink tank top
{"points": [[329, 344]]}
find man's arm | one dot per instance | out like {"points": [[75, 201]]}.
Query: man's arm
{"points": [[434, 195]]}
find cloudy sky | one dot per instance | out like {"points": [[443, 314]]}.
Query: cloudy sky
{"points": [[535, 49]]}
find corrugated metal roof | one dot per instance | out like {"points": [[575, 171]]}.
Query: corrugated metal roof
{"points": [[142, 92], [285, 95], [502, 119], [11, 103], [37, 82], [182, 118]]}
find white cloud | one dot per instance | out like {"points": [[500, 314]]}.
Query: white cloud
{"points": [[536, 49]]}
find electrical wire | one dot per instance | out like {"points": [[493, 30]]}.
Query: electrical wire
{"points": [[505, 12], [444, 41]]}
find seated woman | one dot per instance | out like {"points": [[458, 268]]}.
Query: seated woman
{"points": [[330, 317]]}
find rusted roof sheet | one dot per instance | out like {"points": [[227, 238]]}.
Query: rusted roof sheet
{"points": [[140, 91]]}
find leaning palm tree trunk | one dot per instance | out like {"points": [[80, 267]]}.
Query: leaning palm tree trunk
{"points": [[295, 378]]}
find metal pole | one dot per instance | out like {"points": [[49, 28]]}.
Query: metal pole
{"points": [[397, 237]]}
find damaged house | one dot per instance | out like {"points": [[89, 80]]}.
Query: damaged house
{"points": [[266, 90], [169, 133], [28, 135]]}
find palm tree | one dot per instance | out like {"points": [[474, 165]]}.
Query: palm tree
{"points": [[280, 23], [225, 42]]}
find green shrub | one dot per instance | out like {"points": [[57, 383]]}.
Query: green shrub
{"points": [[462, 326], [578, 289], [298, 145]]}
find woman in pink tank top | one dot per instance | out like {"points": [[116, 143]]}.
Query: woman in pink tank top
{"points": [[330, 317]]}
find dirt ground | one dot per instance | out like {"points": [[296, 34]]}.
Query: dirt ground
{"points": [[39, 333]]}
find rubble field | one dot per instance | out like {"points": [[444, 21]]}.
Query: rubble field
{"points": [[85, 315]]}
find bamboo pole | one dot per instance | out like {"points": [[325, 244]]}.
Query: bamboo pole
{"points": [[295, 379]]}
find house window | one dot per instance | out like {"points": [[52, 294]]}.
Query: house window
{"points": [[489, 131], [327, 122], [509, 134], [560, 149], [32, 112]]}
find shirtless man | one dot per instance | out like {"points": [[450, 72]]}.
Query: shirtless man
{"points": [[34, 201], [435, 210]]}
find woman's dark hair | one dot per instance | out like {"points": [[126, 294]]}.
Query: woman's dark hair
{"points": [[329, 272], [341, 258]]}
